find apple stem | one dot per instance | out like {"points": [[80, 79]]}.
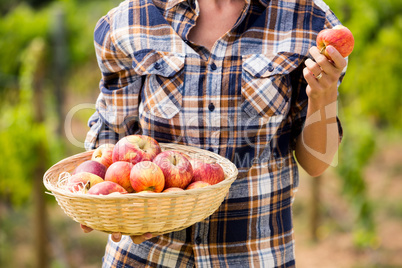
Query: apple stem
{"points": [[322, 50]]}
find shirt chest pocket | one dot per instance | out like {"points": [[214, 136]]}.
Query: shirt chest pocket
{"points": [[266, 85], [163, 84]]}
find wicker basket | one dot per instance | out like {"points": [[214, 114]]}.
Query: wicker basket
{"points": [[134, 214]]}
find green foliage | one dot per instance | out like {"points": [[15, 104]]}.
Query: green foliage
{"points": [[27, 62], [27, 46], [358, 146], [7, 5], [373, 79], [80, 21], [379, 85], [17, 29], [23, 23], [21, 134]]}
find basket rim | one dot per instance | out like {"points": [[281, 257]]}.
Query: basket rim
{"points": [[132, 196]]}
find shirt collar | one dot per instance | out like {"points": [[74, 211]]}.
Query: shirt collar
{"points": [[172, 3], [264, 2]]}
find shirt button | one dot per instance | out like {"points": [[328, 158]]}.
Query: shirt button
{"points": [[213, 66], [211, 107], [270, 67], [157, 66], [198, 240]]}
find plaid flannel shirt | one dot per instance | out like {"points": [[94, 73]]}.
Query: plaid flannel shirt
{"points": [[245, 100]]}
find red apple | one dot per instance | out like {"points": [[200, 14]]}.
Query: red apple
{"points": [[105, 188], [82, 182], [146, 192], [197, 184], [173, 189], [207, 171], [136, 148], [119, 172], [175, 167], [103, 154], [339, 37], [185, 155], [93, 167], [147, 176]]}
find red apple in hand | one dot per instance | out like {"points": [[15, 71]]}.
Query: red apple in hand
{"points": [[197, 184], [103, 154], [105, 188], [93, 167], [136, 148], [175, 167], [147, 176], [340, 37], [82, 182], [119, 172], [207, 171]]}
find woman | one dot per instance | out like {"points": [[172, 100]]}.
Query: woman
{"points": [[241, 78]]}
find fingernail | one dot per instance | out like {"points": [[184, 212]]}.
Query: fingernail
{"points": [[148, 236], [330, 49], [86, 229], [116, 237]]}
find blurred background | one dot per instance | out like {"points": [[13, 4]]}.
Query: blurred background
{"points": [[349, 217]]}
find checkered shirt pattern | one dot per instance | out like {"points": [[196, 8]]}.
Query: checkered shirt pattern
{"points": [[245, 100]]}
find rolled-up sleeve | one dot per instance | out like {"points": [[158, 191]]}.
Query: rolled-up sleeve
{"points": [[117, 105]]}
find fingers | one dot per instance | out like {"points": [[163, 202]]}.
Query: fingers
{"points": [[85, 228], [313, 67], [338, 60], [314, 74], [335, 65], [326, 72], [138, 239], [116, 237], [310, 78]]}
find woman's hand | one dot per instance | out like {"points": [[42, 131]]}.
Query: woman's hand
{"points": [[322, 76], [319, 140], [116, 237]]}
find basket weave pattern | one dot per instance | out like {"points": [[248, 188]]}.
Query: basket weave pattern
{"points": [[135, 214]]}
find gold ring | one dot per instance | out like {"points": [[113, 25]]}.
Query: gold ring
{"points": [[319, 76]]}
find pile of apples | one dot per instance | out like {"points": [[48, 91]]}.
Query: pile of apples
{"points": [[136, 164]]}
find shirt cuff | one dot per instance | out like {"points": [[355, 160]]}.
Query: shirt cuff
{"points": [[99, 133]]}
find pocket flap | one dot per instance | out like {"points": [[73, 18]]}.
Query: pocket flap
{"points": [[260, 65], [165, 64]]}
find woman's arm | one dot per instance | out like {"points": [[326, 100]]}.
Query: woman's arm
{"points": [[116, 112], [318, 142]]}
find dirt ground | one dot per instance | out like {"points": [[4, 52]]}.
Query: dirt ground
{"points": [[335, 247]]}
